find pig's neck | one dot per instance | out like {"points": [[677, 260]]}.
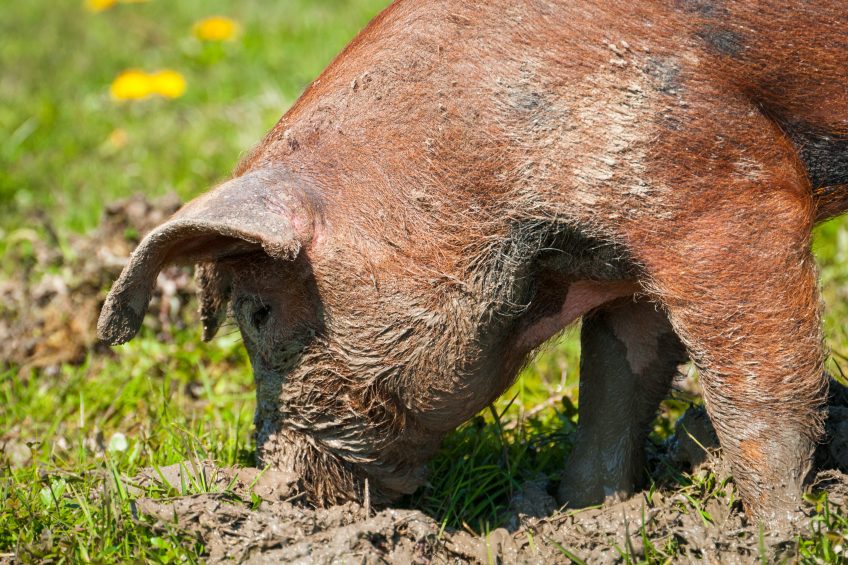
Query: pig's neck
{"points": [[519, 291]]}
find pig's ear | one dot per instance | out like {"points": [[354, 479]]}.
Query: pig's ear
{"points": [[257, 211], [213, 292]]}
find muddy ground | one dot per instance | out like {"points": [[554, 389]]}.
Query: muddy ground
{"points": [[279, 530], [255, 517], [50, 301], [48, 311]]}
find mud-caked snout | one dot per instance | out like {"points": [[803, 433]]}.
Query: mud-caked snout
{"points": [[323, 478], [337, 454]]}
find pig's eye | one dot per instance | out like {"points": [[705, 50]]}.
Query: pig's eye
{"points": [[252, 314], [260, 316]]}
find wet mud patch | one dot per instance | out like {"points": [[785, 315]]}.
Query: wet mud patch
{"points": [[256, 517]]}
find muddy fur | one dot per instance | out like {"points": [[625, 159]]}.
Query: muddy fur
{"points": [[422, 207]]}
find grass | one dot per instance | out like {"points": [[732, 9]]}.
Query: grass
{"points": [[70, 437]]}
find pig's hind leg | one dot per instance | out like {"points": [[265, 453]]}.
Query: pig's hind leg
{"points": [[629, 355], [739, 284]]}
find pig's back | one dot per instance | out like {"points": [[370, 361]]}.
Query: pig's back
{"points": [[792, 59]]}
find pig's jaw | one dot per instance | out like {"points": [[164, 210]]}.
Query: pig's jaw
{"points": [[312, 425], [326, 477]]}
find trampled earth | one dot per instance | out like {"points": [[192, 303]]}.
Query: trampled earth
{"points": [[280, 531]]}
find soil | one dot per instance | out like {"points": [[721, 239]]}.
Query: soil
{"points": [[270, 526], [48, 311], [50, 303]]}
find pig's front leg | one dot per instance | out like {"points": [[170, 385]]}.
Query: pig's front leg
{"points": [[629, 355]]}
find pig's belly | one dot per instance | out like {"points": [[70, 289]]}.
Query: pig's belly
{"points": [[581, 298]]}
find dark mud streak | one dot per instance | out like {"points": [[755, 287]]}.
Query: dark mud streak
{"points": [[705, 8], [665, 74], [722, 41]]}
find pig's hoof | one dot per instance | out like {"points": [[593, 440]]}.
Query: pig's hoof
{"points": [[575, 493]]}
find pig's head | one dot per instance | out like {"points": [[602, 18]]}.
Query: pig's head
{"points": [[386, 254], [359, 371]]}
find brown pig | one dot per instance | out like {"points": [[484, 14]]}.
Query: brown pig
{"points": [[468, 178]]}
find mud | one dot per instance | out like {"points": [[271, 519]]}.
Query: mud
{"points": [[255, 517], [50, 299]]}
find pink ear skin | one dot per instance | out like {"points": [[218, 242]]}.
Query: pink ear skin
{"points": [[257, 211]]}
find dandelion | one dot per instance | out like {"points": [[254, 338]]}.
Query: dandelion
{"points": [[168, 83], [216, 28], [99, 5], [103, 5], [131, 84], [134, 84]]}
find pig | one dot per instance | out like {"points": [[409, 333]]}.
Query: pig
{"points": [[467, 179]]}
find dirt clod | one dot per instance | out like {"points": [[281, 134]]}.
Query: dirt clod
{"points": [[279, 531]]}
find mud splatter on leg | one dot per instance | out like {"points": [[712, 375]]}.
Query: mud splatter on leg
{"points": [[739, 284]]}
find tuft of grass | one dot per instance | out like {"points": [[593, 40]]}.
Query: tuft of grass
{"points": [[482, 463], [828, 536]]}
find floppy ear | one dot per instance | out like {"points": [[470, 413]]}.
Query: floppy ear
{"points": [[257, 211], [213, 294]]}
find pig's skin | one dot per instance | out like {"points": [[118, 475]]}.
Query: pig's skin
{"points": [[467, 178]]}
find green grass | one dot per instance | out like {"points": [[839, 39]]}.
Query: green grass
{"points": [[62, 159]]}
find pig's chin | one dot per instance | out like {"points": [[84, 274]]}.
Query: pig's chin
{"points": [[325, 478]]}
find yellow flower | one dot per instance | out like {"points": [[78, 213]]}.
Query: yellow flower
{"points": [[131, 84], [99, 5], [103, 5], [134, 84], [168, 83], [216, 28]]}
